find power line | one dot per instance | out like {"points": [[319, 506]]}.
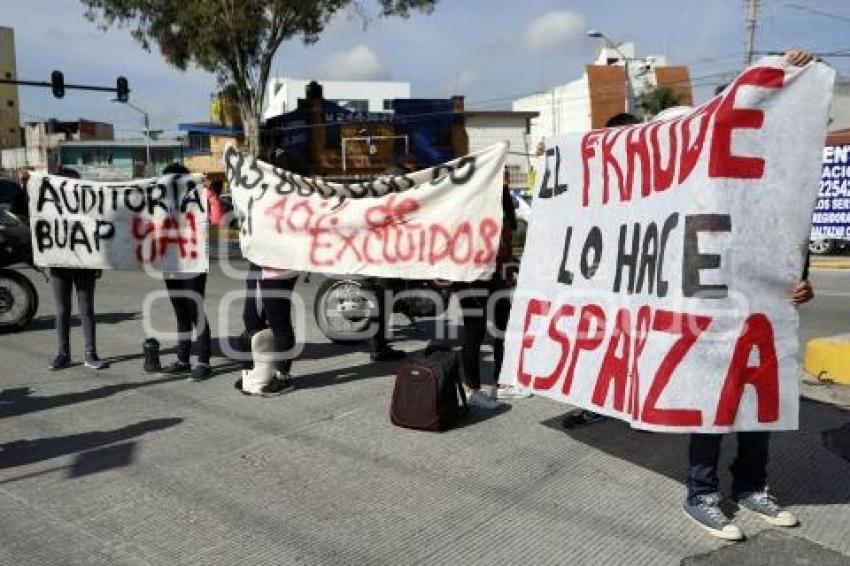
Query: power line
{"points": [[815, 11]]}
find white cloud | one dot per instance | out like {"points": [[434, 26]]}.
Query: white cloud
{"points": [[554, 30], [359, 63]]}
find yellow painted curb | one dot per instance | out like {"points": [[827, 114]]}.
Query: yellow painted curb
{"points": [[829, 357], [830, 264]]}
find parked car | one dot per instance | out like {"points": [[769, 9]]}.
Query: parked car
{"points": [[826, 247], [13, 198]]}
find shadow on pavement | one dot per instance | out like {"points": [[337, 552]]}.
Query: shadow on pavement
{"points": [[18, 401], [49, 322], [804, 468], [22, 452]]}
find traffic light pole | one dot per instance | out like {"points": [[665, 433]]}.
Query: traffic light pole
{"points": [[122, 90], [50, 85]]}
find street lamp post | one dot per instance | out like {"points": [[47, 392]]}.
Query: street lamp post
{"points": [[606, 41], [147, 129]]}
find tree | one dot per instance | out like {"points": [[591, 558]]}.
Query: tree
{"points": [[234, 39], [654, 101]]}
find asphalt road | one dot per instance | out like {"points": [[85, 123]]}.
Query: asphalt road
{"points": [[123, 467]]}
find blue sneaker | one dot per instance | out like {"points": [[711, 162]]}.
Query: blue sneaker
{"points": [[765, 506], [705, 511]]}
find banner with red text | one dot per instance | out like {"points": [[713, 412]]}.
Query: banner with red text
{"points": [[660, 259], [443, 222], [157, 225]]}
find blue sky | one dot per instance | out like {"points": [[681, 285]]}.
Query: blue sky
{"points": [[489, 50]]}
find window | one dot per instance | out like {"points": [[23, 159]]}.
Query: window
{"points": [[199, 143], [10, 103], [8, 75], [388, 105]]}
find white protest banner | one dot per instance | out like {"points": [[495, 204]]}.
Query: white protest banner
{"points": [[660, 260], [443, 222], [157, 224]]}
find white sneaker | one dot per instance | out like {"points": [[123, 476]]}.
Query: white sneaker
{"points": [[483, 401], [511, 392]]}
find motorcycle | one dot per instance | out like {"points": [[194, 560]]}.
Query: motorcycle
{"points": [[346, 309], [18, 295]]}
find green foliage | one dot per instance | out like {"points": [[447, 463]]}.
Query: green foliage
{"points": [[234, 39], [660, 98]]}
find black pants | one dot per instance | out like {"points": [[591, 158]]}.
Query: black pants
{"points": [[474, 299], [62, 281], [381, 287], [252, 316], [187, 298], [277, 305], [749, 470]]}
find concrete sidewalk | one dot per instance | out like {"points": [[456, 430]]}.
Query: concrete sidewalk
{"points": [[122, 467]]}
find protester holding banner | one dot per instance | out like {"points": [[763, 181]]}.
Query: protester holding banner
{"points": [[478, 310], [62, 281], [186, 292], [749, 470]]}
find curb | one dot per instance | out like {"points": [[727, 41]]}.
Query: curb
{"points": [[830, 357], [815, 264]]}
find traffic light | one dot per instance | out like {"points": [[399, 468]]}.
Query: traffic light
{"points": [[57, 81], [123, 90]]}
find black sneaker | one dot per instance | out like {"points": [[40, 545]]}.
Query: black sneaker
{"points": [[94, 362], [580, 418], [387, 354], [201, 372], [178, 368], [61, 361]]}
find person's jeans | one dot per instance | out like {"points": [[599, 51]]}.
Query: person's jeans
{"points": [[187, 299], [474, 299], [62, 280], [749, 470], [277, 304]]}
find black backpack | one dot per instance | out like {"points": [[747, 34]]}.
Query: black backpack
{"points": [[428, 394]]}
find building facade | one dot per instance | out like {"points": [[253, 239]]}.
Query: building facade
{"points": [[119, 160], [10, 114], [610, 85], [486, 128], [205, 145], [320, 137], [352, 96], [42, 139]]}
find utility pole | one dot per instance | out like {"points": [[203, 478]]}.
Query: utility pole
{"points": [[752, 21]]}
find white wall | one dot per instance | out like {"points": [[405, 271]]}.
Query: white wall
{"points": [[565, 108], [284, 92], [484, 131]]}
